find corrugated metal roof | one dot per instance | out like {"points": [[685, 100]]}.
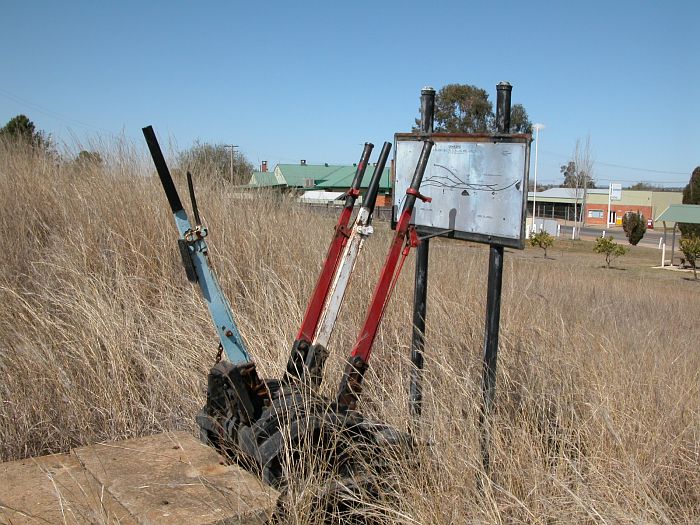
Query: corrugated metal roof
{"points": [[558, 193], [296, 175], [343, 178], [264, 178], [564, 193], [689, 213]]}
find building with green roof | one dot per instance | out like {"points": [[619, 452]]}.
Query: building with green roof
{"points": [[342, 179], [264, 179], [303, 175], [326, 177]]}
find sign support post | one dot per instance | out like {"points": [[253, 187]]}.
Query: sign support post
{"points": [[476, 190], [420, 293], [493, 300]]}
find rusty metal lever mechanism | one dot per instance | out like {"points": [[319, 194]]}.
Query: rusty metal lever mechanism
{"points": [[261, 423], [300, 355], [360, 232], [194, 253]]}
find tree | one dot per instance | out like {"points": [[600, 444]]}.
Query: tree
{"points": [[214, 161], [20, 128], [463, 108], [543, 240], [608, 247], [635, 226], [578, 174], [642, 186], [519, 120], [691, 195], [690, 246]]}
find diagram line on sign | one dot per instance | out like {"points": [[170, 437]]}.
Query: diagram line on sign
{"points": [[449, 182]]}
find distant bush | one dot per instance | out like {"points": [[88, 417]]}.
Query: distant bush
{"points": [[635, 226], [608, 247], [542, 240], [215, 162], [89, 158]]}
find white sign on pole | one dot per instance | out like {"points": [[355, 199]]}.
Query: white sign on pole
{"points": [[478, 184], [615, 192]]}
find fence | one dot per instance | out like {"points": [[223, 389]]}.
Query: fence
{"points": [[381, 213]]}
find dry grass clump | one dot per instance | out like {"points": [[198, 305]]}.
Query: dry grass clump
{"points": [[101, 337]]}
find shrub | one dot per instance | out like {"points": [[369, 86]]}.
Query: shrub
{"points": [[608, 247], [216, 162], [635, 226], [543, 240], [690, 246], [89, 158]]}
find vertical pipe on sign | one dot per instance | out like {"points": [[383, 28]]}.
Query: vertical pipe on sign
{"points": [[420, 293], [493, 299]]}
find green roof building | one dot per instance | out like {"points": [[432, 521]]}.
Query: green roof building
{"points": [[305, 175], [327, 177], [342, 179], [264, 179]]}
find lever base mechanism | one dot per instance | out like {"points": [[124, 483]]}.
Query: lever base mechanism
{"points": [[271, 427]]}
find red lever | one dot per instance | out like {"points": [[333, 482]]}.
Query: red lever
{"points": [[418, 195]]}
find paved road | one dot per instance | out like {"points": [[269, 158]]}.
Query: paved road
{"points": [[650, 239]]}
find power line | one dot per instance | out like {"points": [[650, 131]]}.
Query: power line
{"points": [[58, 116], [611, 165], [617, 179]]}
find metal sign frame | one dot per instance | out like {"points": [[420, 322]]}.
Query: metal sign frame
{"points": [[442, 138]]}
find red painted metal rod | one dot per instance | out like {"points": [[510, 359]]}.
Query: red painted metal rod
{"points": [[318, 297], [351, 384]]}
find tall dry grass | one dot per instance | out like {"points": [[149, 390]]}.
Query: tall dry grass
{"points": [[101, 337]]}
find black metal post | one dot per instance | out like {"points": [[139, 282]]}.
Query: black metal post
{"points": [[420, 293], [493, 299]]}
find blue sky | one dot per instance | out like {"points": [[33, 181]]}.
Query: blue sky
{"points": [[314, 80]]}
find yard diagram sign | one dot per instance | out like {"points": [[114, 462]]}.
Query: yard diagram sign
{"points": [[478, 186]]}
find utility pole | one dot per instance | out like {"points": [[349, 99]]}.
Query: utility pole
{"points": [[232, 146]]}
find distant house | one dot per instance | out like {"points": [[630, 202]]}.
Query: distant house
{"points": [[265, 179], [342, 179], [302, 177], [648, 203]]}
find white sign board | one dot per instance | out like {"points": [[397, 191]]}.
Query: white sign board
{"points": [[615, 192], [478, 186]]}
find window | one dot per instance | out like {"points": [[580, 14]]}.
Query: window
{"points": [[595, 214]]}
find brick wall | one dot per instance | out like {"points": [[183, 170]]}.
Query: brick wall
{"points": [[619, 209]]}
